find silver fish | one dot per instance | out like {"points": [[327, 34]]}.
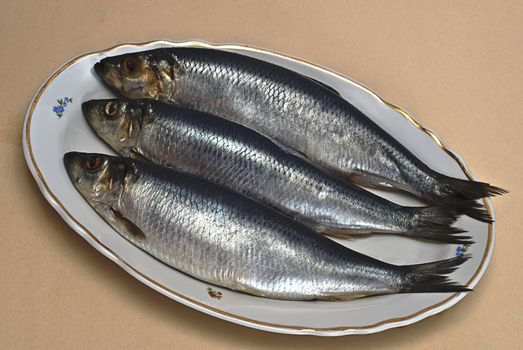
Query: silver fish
{"points": [[294, 110], [236, 157], [224, 238]]}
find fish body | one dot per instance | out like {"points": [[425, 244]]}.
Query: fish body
{"points": [[224, 238], [291, 109], [236, 157]]}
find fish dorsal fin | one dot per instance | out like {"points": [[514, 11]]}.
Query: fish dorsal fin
{"points": [[328, 87], [290, 150], [125, 226]]}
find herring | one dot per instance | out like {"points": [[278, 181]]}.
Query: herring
{"points": [[294, 110], [236, 157], [224, 238]]}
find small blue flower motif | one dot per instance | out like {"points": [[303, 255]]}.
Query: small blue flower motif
{"points": [[58, 109], [62, 103], [462, 249]]}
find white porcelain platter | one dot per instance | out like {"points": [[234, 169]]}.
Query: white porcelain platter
{"points": [[54, 125]]}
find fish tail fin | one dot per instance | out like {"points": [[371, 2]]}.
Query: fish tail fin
{"points": [[451, 188], [469, 207], [472, 209], [431, 277], [435, 223]]}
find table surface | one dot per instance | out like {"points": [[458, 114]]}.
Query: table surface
{"points": [[456, 66]]}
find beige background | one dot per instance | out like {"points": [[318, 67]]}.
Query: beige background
{"points": [[456, 66]]}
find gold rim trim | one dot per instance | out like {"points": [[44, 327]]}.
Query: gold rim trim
{"points": [[436, 139]]}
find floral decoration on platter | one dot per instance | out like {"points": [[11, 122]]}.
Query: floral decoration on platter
{"points": [[214, 293], [59, 109], [462, 249]]}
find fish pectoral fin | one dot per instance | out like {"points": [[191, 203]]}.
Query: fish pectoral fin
{"points": [[127, 227]]}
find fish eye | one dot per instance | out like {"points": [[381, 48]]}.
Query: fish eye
{"points": [[93, 163], [131, 65], [111, 109]]}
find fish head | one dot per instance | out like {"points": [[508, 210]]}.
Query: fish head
{"points": [[99, 178], [116, 121], [150, 74]]}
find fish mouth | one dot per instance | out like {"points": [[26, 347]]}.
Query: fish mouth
{"points": [[99, 68], [109, 73], [89, 109], [86, 107], [72, 165]]}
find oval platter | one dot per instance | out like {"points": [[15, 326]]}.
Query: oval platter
{"points": [[54, 125]]}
